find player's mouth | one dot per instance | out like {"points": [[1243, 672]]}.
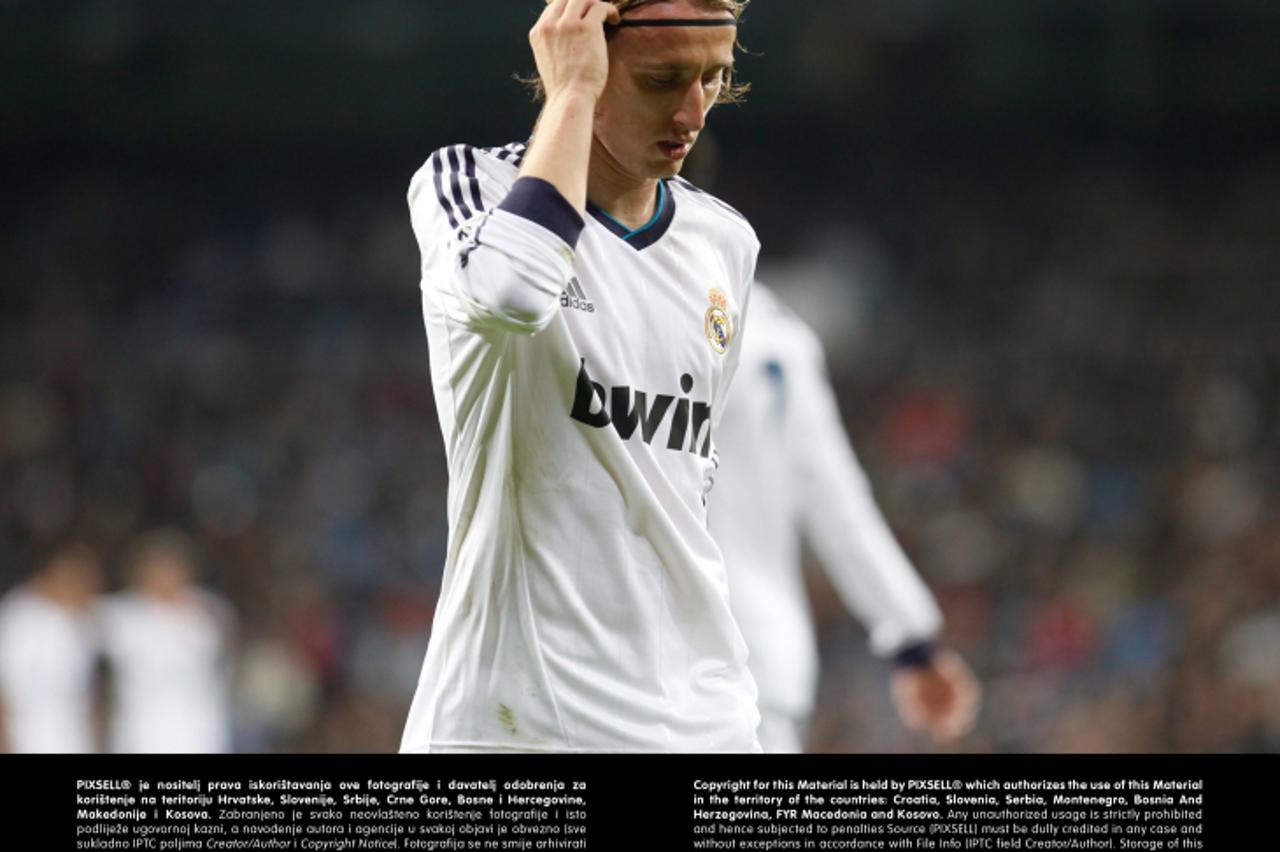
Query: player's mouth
{"points": [[674, 150]]}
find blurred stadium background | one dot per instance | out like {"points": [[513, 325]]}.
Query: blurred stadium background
{"points": [[1042, 239]]}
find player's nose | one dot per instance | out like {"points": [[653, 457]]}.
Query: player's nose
{"points": [[692, 114]]}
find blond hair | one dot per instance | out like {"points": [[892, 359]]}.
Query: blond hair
{"points": [[731, 92], [734, 7]]}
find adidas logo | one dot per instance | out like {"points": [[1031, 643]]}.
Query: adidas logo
{"points": [[575, 297]]}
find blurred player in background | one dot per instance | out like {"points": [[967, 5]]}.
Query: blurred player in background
{"points": [[787, 471], [167, 644], [48, 655], [582, 309]]}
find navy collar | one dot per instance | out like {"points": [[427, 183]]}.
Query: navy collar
{"points": [[648, 233]]}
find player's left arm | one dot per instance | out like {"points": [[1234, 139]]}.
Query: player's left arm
{"points": [[933, 688]]}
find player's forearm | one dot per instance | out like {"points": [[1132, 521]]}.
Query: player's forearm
{"points": [[867, 566], [561, 146], [501, 259], [573, 63], [520, 262], [851, 537], [513, 276]]}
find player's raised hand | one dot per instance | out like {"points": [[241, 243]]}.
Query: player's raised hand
{"points": [[573, 62], [569, 46], [941, 697]]}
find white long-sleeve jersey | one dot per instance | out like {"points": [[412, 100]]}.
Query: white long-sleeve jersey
{"points": [[168, 660], [787, 472], [579, 369], [46, 674]]}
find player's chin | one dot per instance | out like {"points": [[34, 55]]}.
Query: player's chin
{"points": [[666, 167], [668, 170]]}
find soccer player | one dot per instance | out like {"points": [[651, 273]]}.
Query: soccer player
{"points": [[167, 644], [788, 471], [583, 308], [48, 656]]}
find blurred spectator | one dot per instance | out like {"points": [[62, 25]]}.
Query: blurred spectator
{"points": [[167, 643], [47, 655]]}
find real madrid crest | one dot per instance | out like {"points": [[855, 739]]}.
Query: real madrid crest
{"points": [[716, 325]]}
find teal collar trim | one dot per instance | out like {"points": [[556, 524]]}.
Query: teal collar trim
{"points": [[648, 233], [626, 233]]}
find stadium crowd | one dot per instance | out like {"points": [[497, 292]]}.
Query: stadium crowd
{"points": [[1061, 379]]}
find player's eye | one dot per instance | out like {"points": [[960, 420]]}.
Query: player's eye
{"points": [[713, 79], [661, 81]]}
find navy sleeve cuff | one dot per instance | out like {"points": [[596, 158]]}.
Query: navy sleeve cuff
{"points": [[538, 201], [914, 656]]}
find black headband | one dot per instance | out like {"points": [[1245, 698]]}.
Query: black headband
{"points": [[677, 22]]}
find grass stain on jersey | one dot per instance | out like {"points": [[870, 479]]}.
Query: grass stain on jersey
{"points": [[507, 718]]}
